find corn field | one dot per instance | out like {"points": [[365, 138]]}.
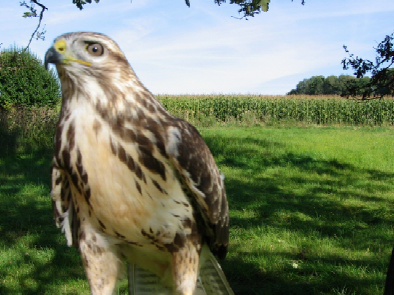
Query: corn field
{"points": [[321, 110]]}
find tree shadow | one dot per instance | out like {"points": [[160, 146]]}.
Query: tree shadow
{"points": [[8, 142], [250, 279]]}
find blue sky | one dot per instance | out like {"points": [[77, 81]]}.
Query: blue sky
{"points": [[175, 49]]}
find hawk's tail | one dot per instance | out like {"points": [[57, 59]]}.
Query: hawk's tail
{"points": [[211, 281]]}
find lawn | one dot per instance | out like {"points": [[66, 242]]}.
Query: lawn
{"points": [[311, 213]]}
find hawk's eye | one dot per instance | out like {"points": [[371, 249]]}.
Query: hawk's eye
{"points": [[95, 49]]}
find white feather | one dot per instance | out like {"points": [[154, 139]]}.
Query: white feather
{"points": [[174, 138]]}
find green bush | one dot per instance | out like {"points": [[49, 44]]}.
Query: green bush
{"points": [[24, 80]]}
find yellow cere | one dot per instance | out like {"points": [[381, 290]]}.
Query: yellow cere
{"points": [[61, 47]]}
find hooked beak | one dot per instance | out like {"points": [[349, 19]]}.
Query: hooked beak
{"points": [[52, 56]]}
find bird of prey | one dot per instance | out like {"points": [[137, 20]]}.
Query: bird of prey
{"points": [[130, 181]]}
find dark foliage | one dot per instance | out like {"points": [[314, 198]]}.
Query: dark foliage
{"points": [[24, 80], [320, 85], [381, 71], [81, 3]]}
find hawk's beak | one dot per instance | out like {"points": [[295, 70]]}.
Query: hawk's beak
{"points": [[58, 54], [52, 56]]}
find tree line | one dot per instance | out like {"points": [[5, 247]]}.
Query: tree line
{"points": [[317, 85], [344, 85]]}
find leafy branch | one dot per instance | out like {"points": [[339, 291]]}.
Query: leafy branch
{"points": [[382, 75], [81, 3], [33, 13]]}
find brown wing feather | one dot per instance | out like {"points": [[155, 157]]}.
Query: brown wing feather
{"points": [[63, 207], [198, 170]]}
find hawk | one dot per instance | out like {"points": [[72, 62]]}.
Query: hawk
{"points": [[130, 181]]}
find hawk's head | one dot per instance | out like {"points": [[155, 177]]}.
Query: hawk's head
{"points": [[84, 51], [93, 66]]}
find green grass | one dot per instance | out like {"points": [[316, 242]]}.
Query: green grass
{"points": [[311, 213]]}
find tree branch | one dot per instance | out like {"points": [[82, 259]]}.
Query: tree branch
{"points": [[382, 73], [33, 13]]}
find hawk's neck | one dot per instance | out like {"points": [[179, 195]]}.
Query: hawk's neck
{"points": [[114, 100]]}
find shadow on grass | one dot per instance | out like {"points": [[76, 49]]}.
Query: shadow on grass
{"points": [[250, 279]]}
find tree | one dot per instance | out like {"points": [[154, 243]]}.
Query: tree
{"points": [[382, 75], [318, 85], [342, 82], [331, 85], [301, 88]]}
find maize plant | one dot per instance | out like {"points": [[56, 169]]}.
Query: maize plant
{"points": [[320, 110]]}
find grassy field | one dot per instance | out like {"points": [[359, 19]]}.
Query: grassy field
{"points": [[311, 212]]}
